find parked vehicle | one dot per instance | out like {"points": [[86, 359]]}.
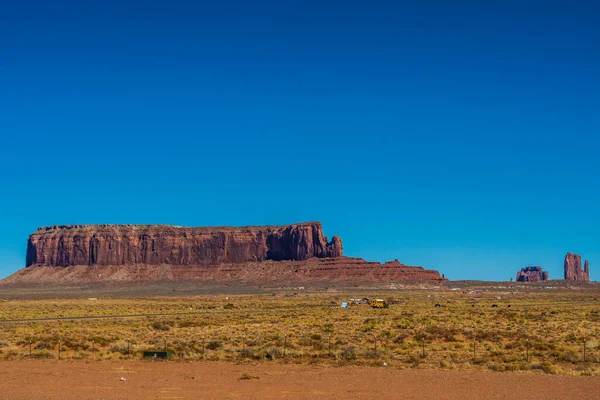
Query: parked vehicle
{"points": [[377, 303]]}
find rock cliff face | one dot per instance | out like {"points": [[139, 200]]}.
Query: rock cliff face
{"points": [[573, 271], [532, 274], [160, 244], [281, 255]]}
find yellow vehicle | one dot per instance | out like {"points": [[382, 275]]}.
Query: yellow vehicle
{"points": [[377, 303]]}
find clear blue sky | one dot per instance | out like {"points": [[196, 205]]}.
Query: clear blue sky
{"points": [[461, 136]]}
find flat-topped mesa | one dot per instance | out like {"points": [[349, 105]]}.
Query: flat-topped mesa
{"points": [[573, 270], [532, 274], [71, 245]]}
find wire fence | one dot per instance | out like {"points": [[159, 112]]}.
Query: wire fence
{"points": [[511, 338], [517, 353]]}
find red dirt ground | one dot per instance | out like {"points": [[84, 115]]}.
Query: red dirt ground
{"points": [[29, 379]]}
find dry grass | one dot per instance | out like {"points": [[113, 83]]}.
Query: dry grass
{"points": [[539, 332]]}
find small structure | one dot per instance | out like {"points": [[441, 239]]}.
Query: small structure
{"points": [[344, 304], [163, 355], [358, 302]]}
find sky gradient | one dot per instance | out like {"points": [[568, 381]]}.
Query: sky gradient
{"points": [[454, 135]]}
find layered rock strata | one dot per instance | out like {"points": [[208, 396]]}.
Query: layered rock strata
{"points": [[161, 244], [532, 274], [248, 255], [573, 270], [341, 270]]}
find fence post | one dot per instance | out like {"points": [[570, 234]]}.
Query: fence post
{"points": [[527, 350], [30, 349], [329, 346], [128, 350], [243, 345], [202, 347], [375, 343], [93, 351], [474, 350], [584, 358], [284, 343], [423, 347], [59, 349]]}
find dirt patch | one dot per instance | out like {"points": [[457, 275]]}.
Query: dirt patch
{"points": [[171, 380]]}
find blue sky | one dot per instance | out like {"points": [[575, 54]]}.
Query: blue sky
{"points": [[454, 135]]}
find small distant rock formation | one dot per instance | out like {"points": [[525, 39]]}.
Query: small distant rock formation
{"points": [[532, 274], [573, 271]]}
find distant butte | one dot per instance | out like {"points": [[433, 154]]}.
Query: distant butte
{"points": [[532, 274], [253, 254], [573, 270]]}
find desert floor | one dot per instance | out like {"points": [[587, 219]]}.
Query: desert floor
{"points": [[77, 379]]}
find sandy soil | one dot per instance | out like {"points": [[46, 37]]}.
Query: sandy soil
{"points": [[172, 380]]}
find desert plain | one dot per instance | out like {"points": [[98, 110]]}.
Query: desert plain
{"points": [[436, 341]]}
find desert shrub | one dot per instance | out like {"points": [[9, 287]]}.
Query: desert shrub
{"points": [[80, 355], [229, 306], [571, 338], [488, 335], [405, 324], [440, 332], [386, 334], [214, 345], [45, 344], [248, 353], [100, 340], [550, 368], [315, 336], [273, 353], [161, 326], [401, 338], [120, 347], [43, 354], [497, 367], [569, 356], [318, 345], [516, 366], [305, 341], [370, 324], [74, 344], [247, 376], [11, 354], [348, 353], [371, 354], [415, 360], [481, 360]]}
